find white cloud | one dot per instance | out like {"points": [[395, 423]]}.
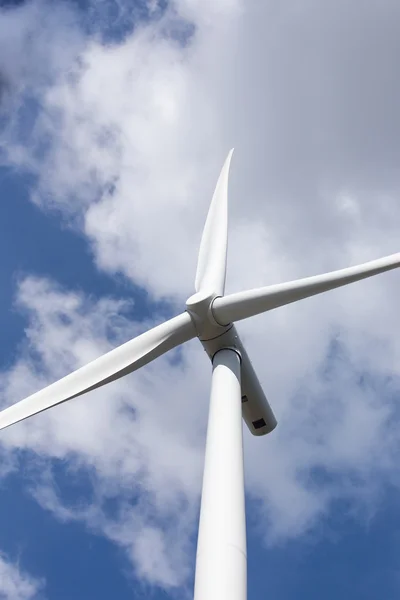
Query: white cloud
{"points": [[136, 133], [141, 438], [15, 584]]}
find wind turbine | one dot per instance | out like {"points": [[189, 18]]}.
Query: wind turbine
{"points": [[221, 564]]}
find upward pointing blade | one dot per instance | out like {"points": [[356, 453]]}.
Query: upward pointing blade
{"points": [[113, 365], [211, 265]]}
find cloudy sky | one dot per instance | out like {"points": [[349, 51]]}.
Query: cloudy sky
{"points": [[115, 119]]}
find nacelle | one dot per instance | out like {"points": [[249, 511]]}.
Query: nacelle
{"points": [[256, 410]]}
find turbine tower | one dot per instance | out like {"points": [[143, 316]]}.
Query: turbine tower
{"points": [[221, 564]]}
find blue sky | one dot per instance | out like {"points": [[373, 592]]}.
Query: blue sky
{"points": [[115, 120]]}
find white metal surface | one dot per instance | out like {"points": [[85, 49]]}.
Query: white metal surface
{"points": [[221, 564], [253, 302], [211, 263], [115, 364], [256, 410]]}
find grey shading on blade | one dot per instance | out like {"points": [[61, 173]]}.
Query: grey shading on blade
{"points": [[211, 265], [253, 302], [115, 364]]}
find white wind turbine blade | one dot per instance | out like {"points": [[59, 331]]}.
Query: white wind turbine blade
{"points": [[211, 265], [253, 302], [111, 366]]}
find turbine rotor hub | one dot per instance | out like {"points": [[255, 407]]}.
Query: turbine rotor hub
{"points": [[199, 307]]}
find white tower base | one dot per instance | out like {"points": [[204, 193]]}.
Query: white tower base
{"points": [[221, 563]]}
